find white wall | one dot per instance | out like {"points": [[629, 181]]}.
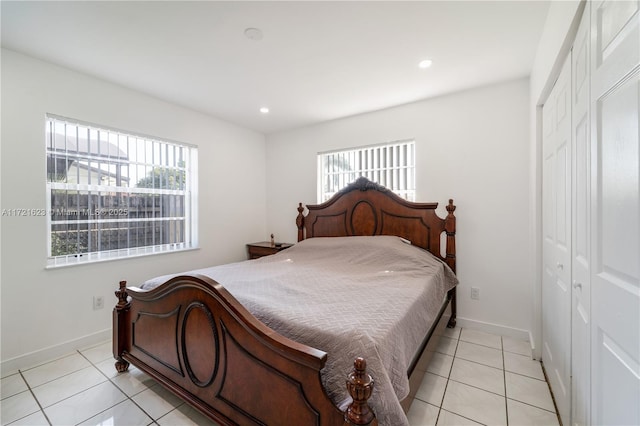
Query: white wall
{"points": [[45, 308], [554, 45], [555, 41], [471, 146]]}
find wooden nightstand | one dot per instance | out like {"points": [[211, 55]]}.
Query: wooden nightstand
{"points": [[264, 248]]}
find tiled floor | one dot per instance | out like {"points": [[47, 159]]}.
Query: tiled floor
{"points": [[84, 388], [478, 378], [474, 378]]}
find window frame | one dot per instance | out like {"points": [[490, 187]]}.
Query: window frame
{"points": [[180, 187]]}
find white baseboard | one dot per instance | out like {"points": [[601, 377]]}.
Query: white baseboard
{"points": [[32, 359], [487, 327]]}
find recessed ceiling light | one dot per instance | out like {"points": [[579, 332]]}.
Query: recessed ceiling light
{"points": [[425, 63], [264, 110], [254, 34]]}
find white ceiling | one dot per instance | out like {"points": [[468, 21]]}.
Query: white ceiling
{"points": [[317, 61]]}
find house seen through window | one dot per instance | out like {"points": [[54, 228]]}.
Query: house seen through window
{"points": [[114, 194], [391, 165]]}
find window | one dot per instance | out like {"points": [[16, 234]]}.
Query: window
{"points": [[113, 194], [391, 165]]}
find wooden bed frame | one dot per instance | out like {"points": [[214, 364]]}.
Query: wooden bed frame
{"points": [[191, 335]]}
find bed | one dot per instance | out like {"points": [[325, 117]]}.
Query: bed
{"points": [[223, 357]]}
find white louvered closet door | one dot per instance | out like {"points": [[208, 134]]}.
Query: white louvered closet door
{"points": [[556, 245], [615, 231]]}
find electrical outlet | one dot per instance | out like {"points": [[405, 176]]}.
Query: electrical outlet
{"points": [[475, 293], [98, 302]]}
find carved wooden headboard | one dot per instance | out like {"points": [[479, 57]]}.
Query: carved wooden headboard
{"points": [[366, 208]]}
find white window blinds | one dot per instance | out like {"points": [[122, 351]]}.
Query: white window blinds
{"points": [[391, 165]]}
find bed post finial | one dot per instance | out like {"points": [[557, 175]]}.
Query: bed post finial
{"points": [[451, 207], [121, 293], [360, 386], [300, 222]]}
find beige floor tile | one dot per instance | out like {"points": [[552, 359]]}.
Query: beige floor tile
{"points": [[7, 373], [480, 354], [124, 413], [35, 419], [157, 401], [432, 389], [133, 381], [528, 390], [55, 369], [521, 347], [447, 418], [440, 364], [66, 386], [524, 365], [478, 375], [17, 406], [107, 367], [527, 415], [85, 405], [99, 352], [185, 415], [475, 404], [12, 385], [447, 346], [481, 338]]}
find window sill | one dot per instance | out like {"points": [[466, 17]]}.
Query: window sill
{"points": [[111, 259]]}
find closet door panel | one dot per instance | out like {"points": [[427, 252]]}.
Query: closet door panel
{"points": [[556, 282], [581, 241], [615, 195], [616, 33], [618, 149]]}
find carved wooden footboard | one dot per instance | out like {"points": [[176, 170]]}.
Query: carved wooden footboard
{"points": [[195, 338]]}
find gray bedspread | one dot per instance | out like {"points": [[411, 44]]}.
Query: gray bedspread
{"points": [[308, 293]]}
